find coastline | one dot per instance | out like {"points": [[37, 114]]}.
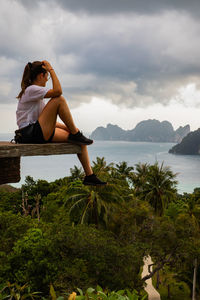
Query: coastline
{"points": [[51, 168]]}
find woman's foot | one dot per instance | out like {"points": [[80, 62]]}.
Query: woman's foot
{"points": [[79, 138], [93, 180]]}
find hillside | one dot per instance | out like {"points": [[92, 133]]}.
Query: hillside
{"points": [[145, 131], [190, 144]]}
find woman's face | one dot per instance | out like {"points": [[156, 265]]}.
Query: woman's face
{"points": [[44, 78], [47, 76]]}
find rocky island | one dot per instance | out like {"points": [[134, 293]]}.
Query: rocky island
{"points": [[190, 145], [145, 131]]}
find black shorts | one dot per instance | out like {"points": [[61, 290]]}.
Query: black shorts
{"points": [[31, 134]]}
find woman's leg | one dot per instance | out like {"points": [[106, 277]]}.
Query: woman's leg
{"points": [[85, 161], [60, 136], [47, 119], [62, 126]]}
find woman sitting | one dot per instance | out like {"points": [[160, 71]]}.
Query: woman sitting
{"points": [[37, 122]]}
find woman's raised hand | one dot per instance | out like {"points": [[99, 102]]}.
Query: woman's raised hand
{"points": [[47, 65]]}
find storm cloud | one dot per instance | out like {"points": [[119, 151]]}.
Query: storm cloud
{"points": [[133, 53], [110, 7]]}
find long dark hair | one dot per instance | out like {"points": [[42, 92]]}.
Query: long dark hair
{"points": [[31, 71]]}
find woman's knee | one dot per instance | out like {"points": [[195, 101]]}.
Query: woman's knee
{"points": [[58, 100]]}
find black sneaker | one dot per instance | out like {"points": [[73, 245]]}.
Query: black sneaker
{"points": [[79, 138], [93, 180]]}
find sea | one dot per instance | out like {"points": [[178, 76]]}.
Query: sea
{"points": [[50, 168]]}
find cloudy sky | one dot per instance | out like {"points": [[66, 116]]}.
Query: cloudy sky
{"points": [[119, 61]]}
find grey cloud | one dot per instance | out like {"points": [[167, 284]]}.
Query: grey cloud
{"points": [[126, 6], [151, 52], [138, 57], [110, 7], [30, 4]]}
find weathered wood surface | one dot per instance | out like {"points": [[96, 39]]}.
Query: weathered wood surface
{"points": [[10, 154], [8, 149]]}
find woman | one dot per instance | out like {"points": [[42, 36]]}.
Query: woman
{"points": [[37, 121]]}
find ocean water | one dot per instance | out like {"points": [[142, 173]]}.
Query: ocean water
{"points": [[53, 167]]}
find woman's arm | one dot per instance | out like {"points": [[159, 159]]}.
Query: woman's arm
{"points": [[57, 89]]}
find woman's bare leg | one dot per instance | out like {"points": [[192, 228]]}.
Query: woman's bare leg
{"points": [[85, 161], [62, 126], [47, 119], [60, 136]]}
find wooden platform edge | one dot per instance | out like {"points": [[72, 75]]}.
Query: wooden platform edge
{"points": [[8, 149]]}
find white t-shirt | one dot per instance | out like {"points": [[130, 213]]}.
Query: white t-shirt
{"points": [[30, 105]]}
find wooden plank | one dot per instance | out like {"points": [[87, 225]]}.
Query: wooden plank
{"points": [[8, 149]]}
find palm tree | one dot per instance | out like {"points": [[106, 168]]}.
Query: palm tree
{"points": [[156, 184], [123, 169], [140, 176], [91, 205], [76, 173], [123, 172], [100, 167]]}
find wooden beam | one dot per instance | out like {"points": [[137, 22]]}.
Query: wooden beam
{"points": [[16, 150], [10, 155]]}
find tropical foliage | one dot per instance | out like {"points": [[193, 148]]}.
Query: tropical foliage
{"points": [[155, 184], [66, 235]]}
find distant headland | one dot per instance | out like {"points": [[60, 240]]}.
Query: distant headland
{"points": [[190, 145], [145, 131]]}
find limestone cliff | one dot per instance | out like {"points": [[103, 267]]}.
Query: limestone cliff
{"points": [[145, 131], [189, 145]]}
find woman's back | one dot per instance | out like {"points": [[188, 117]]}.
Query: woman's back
{"points": [[30, 105]]}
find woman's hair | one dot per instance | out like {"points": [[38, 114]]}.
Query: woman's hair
{"points": [[31, 71]]}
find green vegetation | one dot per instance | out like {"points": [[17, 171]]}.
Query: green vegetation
{"points": [[172, 288], [99, 294], [189, 145], [59, 236], [14, 291]]}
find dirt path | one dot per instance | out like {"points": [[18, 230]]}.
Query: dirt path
{"points": [[151, 291]]}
